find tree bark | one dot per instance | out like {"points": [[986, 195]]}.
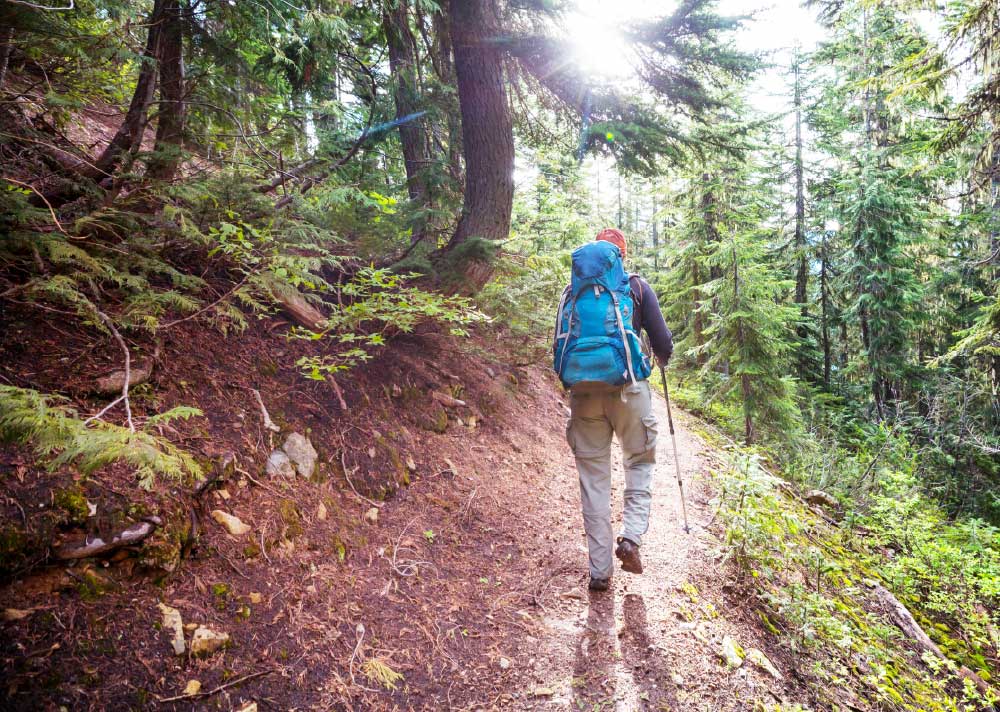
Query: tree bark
{"points": [[801, 273], [444, 63], [487, 133], [129, 134], [403, 62], [172, 113], [824, 292], [5, 51]]}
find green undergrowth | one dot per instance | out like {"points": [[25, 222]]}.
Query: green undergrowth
{"points": [[815, 577], [60, 436], [217, 254]]}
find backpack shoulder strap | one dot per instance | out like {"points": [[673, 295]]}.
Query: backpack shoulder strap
{"points": [[634, 282]]}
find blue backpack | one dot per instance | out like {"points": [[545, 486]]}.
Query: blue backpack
{"points": [[594, 338]]}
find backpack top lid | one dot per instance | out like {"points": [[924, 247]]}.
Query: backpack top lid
{"points": [[599, 263]]}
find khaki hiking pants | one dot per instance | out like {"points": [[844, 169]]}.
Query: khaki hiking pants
{"points": [[598, 411]]}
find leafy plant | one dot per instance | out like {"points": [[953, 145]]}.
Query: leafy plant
{"points": [[60, 436]]}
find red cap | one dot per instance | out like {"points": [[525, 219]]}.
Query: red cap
{"points": [[614, 236]]}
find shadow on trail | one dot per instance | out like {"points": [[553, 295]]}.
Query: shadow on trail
{"points": [[594, 680], [650, 666]]}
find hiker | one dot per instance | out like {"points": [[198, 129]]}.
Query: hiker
{"points": [[598, 356]]}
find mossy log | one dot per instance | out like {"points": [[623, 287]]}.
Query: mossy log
{"points": [[904, 620]]}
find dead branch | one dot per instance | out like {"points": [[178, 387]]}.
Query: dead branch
{"points": [[220, 688], [268, 423], [204, 309], [347, 476], [95, 547], [125, 380], [52, 211], [904, 620]]}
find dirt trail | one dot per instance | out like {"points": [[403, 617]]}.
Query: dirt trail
{"points": [[654, 642]]}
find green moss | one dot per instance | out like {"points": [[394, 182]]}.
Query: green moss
{"points": [[92, 585], [73, 502], [292, 518]]}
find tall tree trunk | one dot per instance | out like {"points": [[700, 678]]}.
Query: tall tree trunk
{"points": [[746, 390], [444, 63], [129, 134], [5, 50], [824, 292], [172, 114], [412, 133], [801, 272], [487, 135]]}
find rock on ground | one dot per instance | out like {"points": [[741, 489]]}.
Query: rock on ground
{"points": [[278, 465], [233, 525], [302, 453], [206, 641], [173, 624]]}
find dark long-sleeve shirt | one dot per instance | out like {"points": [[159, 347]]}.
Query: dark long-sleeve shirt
{"points": [[648, 316]]}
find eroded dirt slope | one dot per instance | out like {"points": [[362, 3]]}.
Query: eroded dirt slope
{"points": [[465, 588]]}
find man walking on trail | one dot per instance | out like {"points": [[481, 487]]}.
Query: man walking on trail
{"points": [[597, 355]]}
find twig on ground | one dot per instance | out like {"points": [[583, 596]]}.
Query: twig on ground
{"points": [[128, 374], [347, 476], [265, 416], [204, 309], [220, 688], [52, 211], [405, 567], [340, 395]]}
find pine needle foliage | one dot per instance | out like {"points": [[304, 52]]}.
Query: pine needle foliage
{"points": [[61, 437]]}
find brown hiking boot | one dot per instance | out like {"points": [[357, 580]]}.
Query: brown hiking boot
{"points": [[628, 553], [597, 584]]}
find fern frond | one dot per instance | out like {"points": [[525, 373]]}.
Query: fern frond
{"points": [[58, 435]]}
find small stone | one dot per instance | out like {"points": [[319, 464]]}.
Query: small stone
{"points": [[256, 598], [504, 664], [731, 652], [677, 679], [15, 614], [301, 452], [397, 392], [278, 465], [543, 692], [760, 660], [192, 688], [371, 516], [206, 641], [247, 707], [173, 624], [232, 524], [223, 494], [321, 512], [190, 627], [410, 464]]}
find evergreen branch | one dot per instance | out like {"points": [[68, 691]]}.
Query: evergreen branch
{"points": [[52, 211]]}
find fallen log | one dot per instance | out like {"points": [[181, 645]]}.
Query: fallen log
{"points": [[904, 620], [97, 546]]}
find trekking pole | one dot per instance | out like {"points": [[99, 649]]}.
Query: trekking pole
{"points": [[673, 438]]}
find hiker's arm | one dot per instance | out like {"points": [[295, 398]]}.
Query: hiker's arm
{"points": [[660, 337]]}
